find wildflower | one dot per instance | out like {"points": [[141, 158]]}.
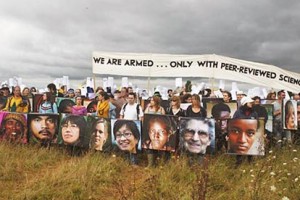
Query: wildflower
{"points": [[279, 141], [244, 171], [251, 170], [262, 171], [274, 157], [270, 152], [272, 188], [272, 174], [285, 198], [295, 159], [296, 179], [284, 163], [294, 150], [288, 174], [251, 181], [113, 155], [252, 175]]}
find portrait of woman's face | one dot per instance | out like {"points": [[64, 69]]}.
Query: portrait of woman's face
{"points": [[70, 132], [125, 139], [290, 118], [100, 134], [158, 134]]}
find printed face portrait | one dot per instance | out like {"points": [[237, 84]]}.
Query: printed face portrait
{"points": [[158, 134], [43, 127], [125, 139], [290, 115], [100, 134], [70, 132], [241, 135], [127, 135], [13, 128], [196, 136]]}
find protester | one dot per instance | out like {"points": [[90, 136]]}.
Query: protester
{"points": [[79, 109], [16, 103], [131, 110], [47, 105], [196, 110], [103, 105]]}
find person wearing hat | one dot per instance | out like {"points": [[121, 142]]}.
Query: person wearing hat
{"points": [[245, 111], [14, 128], [5, 94], [239, 95]]}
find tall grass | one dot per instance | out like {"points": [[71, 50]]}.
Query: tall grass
{"points": [[31, 172]]}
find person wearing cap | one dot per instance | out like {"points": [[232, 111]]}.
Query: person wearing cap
{"points": [[14, 128], [5, 94], [17, 103], [239, 95], [244, 112]]}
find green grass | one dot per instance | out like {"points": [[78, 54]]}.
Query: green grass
{"points": [[30, 172]]}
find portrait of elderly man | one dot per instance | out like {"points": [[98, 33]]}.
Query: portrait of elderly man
{"points": [[245, 136], [197, 135], [13, 127], [43, 128]]}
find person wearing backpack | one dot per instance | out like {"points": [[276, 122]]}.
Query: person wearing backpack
{"points": [[131, 110]]}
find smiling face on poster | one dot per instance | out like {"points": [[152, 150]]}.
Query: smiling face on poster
{"points": [[13, 127], [245, 136], [126, 134], [196, 135]]}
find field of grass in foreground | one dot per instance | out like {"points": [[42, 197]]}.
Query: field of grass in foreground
{"points": [[30, 172]]}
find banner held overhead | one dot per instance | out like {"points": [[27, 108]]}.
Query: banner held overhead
{"points": [[210, 66]]}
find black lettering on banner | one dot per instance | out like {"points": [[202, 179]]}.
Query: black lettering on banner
{"points": [[99, 60], [184, 64], [289, 79], [229, 67], [142, 63], [211, 64], [114, 61]]}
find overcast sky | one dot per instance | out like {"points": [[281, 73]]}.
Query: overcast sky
{"points": [[44, 40]]}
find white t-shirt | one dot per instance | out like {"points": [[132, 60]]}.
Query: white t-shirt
{"points": [[131, 111]]}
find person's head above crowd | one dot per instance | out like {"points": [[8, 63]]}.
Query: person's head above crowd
{"points": [[226, 96]]}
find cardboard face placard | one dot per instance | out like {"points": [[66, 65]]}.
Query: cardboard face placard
{"points": [[246, 137], [43, 128], [65, 104], [197, 135], [159, 132], [100, 134], [74, 131], [13, 127], [219, 110], [37, 100], [289, 112], [126, 134]]}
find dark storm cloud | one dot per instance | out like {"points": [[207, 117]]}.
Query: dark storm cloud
{"points": [[55, 38]]}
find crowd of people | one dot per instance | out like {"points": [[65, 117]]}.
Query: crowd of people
{"points": [[185, 123]]}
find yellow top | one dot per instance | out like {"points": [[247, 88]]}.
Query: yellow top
{"points": [[103, 109], [15, 104]]}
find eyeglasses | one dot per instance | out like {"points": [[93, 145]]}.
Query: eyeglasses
{"points": [[190, 133], [126, 135]]}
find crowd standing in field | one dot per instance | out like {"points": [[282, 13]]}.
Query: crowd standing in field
{"points": [[197, 124]]}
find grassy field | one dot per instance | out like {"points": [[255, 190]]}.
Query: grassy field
{"points": [[30, 172]]}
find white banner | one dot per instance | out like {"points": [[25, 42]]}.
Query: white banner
{"points": [[210, 66]]}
